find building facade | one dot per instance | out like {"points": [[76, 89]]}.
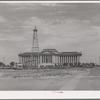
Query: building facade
{"points": [[49, 57]]}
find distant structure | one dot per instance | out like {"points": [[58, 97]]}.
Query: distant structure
{"points": [[47, 57]]}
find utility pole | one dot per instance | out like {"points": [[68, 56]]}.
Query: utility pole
{"points": [[4, 60], [99, 60]]}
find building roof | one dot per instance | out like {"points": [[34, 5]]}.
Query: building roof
{"points": [[28, 53], [50, 51], [70, 53]]}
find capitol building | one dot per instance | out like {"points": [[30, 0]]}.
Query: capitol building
{"points": [[47, 56]]}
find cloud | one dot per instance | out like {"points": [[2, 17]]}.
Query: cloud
{"points": [[13, 38], [49, 4], [2, 19], [34, 6], [66, 27], [70, 32]]}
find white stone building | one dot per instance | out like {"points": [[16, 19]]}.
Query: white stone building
{"points": [[49, 57]]}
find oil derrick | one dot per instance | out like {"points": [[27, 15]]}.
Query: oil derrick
{"points": [[35, 45], [35, 49]]}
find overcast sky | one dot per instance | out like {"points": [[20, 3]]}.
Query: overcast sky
{"points": [[66, 27]]}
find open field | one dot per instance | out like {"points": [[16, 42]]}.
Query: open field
{"points": [[51, 79], [42, 79], [40, 73]]}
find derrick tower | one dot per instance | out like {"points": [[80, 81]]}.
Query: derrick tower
{"points": [[35, 45]]}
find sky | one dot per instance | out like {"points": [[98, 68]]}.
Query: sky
{"points": [[67, 27]]}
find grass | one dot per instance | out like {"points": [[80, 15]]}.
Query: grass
{"points": [[39, 73]]}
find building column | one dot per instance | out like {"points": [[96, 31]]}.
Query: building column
{"points": [[55, 59], [21, 60], [58, 59], [45, 58], [24, 59], [65, 59], [40, 59], [51, 59], [73, 59], [70, 59], [76, 59], [48, 59], [61, 59]]}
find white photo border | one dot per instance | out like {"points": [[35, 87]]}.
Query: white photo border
{"points": [[49, 94]]}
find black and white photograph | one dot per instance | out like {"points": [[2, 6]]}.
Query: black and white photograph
{"points": [[49, 46]]}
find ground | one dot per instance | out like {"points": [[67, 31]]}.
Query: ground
{"points": [[51, 79]]}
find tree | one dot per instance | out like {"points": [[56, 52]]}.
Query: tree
{"points": [[2, 64], [12, 64]]}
